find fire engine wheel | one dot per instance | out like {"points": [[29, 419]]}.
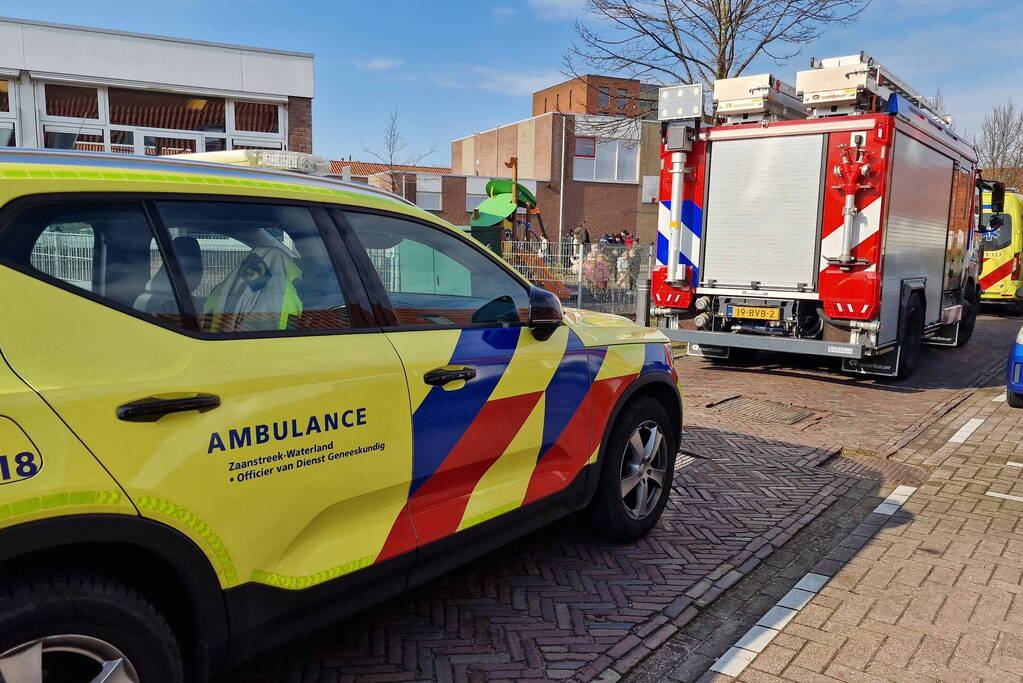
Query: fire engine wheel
{"points": [[636, 475], [971, 306], [912, 335], [80, 627]]}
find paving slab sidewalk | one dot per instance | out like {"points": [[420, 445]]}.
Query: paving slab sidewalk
{"points": [[927, 588]]}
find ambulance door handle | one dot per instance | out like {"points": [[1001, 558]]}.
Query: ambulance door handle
{"points": [[442, 376], [152, 408]]}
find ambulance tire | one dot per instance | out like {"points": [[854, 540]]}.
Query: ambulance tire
{"points": [[971, 307], [611, 513], [911, 337], [1014, 399], [101, 618]]}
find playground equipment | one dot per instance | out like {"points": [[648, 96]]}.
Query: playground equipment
{"points": [[495, 221]]}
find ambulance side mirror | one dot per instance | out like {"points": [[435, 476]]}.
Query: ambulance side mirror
{"points": [[997, 197], [545, 314]]}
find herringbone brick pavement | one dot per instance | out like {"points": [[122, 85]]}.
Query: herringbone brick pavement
{"points": [[561, 604]]}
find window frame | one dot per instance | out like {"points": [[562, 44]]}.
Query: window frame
{"points": [[344, 266], [277, 140], [387, 317], [591, 138]]}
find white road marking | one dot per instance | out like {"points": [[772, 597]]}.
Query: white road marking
{"points": [[1014, 464], [1004, 496], [735, 660], [1000, 398], [891, 504], [964, 432]]}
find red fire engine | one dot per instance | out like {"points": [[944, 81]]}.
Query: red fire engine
{"points": [[835, 218]]}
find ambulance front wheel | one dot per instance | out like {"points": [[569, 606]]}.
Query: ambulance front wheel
{"points": [[637, 471], [79, 626]]}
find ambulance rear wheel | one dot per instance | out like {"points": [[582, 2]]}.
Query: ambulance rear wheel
{"points": [[82, 627], [911, 337], [636, 472], [971, 306], [1015, 400]]}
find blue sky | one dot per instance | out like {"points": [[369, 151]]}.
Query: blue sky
{"points": [[453, 67]]}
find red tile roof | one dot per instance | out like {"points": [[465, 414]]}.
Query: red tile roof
{"points": [[367, 168]]}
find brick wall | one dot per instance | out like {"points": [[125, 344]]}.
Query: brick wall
{"points": [[300, 124]]}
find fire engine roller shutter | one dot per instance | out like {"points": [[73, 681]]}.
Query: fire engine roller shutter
{"points": [[763, 212], [916, 231]]}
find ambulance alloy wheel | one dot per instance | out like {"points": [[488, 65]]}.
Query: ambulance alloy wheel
{"points": [[636, 475], [79, 627]]}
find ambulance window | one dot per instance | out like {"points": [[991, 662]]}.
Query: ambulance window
{"points": [[254, 267], [101, 248], [999, 238], [433, 277]]}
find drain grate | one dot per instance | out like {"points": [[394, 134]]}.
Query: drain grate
{"points": [[862, 466], [766, 411]]}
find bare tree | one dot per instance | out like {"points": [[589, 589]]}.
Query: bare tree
{"points": [[393, 154], [693, 41], [1000, 144], [939, 105]]}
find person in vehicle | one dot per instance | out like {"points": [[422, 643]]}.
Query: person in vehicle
{"points": [[259, 294]]}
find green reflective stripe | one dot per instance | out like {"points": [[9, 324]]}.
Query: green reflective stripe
{"points": [[225, 567], [297, 582], [489, 514], [27, 506], [193, 179]]}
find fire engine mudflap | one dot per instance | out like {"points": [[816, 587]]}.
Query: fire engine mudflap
{"points": [[840, 224]]}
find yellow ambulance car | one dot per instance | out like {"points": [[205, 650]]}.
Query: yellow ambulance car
{"points": [[1001, 278], [240, 403]]}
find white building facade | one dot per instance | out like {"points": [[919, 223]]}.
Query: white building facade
{"points": [[71, 87]]}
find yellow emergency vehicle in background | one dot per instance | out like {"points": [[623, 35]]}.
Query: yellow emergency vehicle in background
{"points": [[1001, 275], [238, 403]]}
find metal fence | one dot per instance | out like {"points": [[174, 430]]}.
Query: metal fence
{"points": [[596, 276]]}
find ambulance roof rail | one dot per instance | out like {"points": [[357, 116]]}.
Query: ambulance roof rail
{"points": [[839, 81]]}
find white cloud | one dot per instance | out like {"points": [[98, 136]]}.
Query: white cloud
{"points": [[504, 11], [557, 9], [380, 64], [517, 82]]}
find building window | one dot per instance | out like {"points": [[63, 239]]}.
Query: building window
{"points": [[147, 109], [604, 96], [545, 105], [557, 102], [475, 192], [256, 117], [622, 100], [586, 147], [7, 134], [72, 102], [428, 191], [5, 95], [570, 99], [66, 137], [148, 122], [613, 160]]}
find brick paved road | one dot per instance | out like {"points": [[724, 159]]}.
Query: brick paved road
{"points": [[933, 592], [560, 603]]}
